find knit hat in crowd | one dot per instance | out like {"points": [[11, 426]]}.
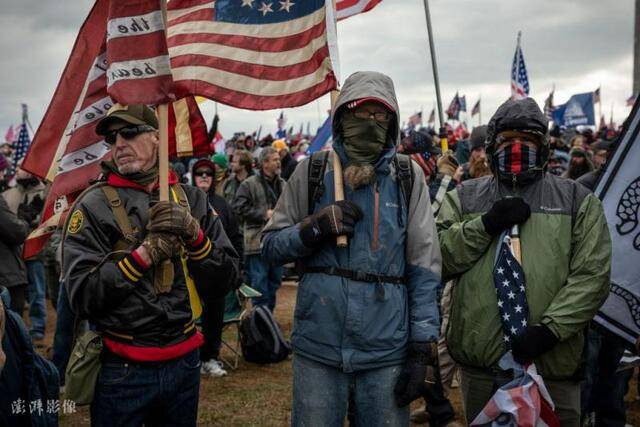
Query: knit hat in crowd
{"points": [[279, 144], [220, 160]]}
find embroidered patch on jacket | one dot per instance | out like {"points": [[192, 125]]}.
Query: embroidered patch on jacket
{"points": [[75, 223]]}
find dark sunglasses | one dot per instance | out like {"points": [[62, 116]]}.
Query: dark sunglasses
{"points": [[203, 174], [378, 116], [127, 132]]}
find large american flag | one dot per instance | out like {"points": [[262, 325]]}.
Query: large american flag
{"points": [[252, 54], [519, 77], [347, 8]]}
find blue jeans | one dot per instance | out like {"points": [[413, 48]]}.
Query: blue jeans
{"points": [[321, 394], [265, 278], [153, 394], [603, 389], [63, 338], [37, 302]]}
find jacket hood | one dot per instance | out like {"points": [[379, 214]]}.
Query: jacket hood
{"points": [[367, 84], [523, 114]]}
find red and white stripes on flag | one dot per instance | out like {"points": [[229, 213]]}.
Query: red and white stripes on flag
{"points": [[138, 62], [347, 8], [524, 401], [256, 66], [66, 150]]}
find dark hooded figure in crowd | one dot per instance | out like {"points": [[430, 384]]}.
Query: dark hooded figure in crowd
{"points": [[566, 256], [579, 163]]}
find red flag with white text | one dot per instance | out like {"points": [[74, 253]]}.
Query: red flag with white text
{"points": [[66, 150]]}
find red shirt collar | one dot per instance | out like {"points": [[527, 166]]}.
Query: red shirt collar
{"points": [[119, 181]]}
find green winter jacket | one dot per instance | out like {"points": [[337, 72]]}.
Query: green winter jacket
{"points": [[566, 252]]}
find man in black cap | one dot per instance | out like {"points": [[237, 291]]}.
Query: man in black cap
{"points": [[131, 266]]}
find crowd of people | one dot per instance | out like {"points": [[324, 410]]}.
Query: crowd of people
{"points": [[410, 307]]}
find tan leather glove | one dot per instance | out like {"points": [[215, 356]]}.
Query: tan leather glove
{"points": [[169, 217], [161, 246]]}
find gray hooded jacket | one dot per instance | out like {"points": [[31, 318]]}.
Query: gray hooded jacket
{"points": [[350, 324]]}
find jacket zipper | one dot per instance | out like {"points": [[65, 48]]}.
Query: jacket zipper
{"points": [[376, 217]]}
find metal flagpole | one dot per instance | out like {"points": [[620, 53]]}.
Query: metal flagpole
{"points": [[443, 132]]}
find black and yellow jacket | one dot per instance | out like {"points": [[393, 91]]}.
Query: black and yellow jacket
{"points": [[114, 292]]}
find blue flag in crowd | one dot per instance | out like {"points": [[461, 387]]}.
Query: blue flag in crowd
{"points": [[322, 138], [577, 111], [508, 278]]}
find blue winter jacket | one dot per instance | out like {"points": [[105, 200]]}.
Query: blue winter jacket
{"points": [[350, 324]]}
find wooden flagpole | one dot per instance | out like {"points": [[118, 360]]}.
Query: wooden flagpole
{"points": [[338, 178], [166, 268]]}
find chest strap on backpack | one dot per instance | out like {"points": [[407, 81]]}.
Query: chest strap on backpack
{"points": [[442, 190], [359, 276]]}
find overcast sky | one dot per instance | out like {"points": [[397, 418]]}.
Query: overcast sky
{"points": [[576, 45]]}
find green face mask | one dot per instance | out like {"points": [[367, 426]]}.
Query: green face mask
{"points": [[363, 139]]}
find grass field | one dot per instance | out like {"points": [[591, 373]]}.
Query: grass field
{"points": [[256, 395]]}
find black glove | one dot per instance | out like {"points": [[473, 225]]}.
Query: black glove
{"points": [[338, 219], [533, 342], [27, 213], [504, 214], [418, 373]]}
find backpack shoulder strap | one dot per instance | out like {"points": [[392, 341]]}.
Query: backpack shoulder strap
{"points": [[405, 176], [442, 190], [119, 213], [317, 167]]}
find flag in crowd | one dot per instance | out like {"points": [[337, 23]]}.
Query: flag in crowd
{"points": [[136, 54], [281, 122], [476, 108], [10, 135], [596, 96], [453, 112], [575, 112], [632, 100], [68, 149], [548, 105], [432, 117], [249, 54], [21, 146], [619, 190], [463, 103], [347, 8], [603, 122], [519, 77], [323, 138], [415, 120]]}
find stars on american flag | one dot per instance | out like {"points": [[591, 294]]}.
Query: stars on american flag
{"points": [[265, 8], [509, 282], [286, 5]]}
